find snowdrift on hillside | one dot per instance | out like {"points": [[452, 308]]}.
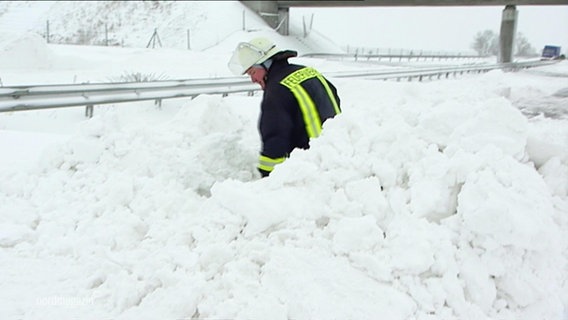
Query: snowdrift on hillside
{"points": [[133, 23], [25, 50]]}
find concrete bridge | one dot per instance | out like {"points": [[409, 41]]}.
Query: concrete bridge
{"points": [[276, 13]]}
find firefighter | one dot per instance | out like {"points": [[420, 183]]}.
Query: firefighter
{"points": [[295, 103]]}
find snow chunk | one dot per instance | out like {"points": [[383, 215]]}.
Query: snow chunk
{"points": [[506, 203], [496, 123], [356, 234]]}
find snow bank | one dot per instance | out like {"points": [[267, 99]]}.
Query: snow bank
{"points": [[23, 50], [132, 24], [409, 205]]}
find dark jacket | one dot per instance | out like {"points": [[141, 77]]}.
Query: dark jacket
{"points": [[282, 122]]}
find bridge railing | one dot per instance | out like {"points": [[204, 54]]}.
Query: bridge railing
{"points": [[20, 98]]}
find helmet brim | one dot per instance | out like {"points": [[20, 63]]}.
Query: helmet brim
{"points": [[245, 56]]}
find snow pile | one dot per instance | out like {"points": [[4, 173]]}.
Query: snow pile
{"points": [[419, 200], [23, 50]]}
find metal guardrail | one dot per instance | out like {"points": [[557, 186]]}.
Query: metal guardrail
{"points": [[439, 72], [393, 56], [21, 98]]}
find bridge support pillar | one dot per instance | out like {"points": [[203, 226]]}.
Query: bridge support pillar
{"points": [[507, 34], [277, 18]]}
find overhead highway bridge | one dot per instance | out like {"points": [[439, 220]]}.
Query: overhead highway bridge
{"points": [[276, 13]]}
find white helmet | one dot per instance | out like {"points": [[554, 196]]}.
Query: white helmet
{"points": [[247, 54]]}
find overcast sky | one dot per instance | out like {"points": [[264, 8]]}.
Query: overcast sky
{"points": [[433, 28]]}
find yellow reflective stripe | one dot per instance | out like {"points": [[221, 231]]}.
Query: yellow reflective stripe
{"points": [[309, 112], [267, 164], [299, 76], [329, 93]]}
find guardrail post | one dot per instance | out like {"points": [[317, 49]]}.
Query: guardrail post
{"points": [[47, 31], [158, 102], [89, 111]]}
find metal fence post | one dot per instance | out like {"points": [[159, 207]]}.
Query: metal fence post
{"points": [[89, 111], [47, 31], [188, 43]]}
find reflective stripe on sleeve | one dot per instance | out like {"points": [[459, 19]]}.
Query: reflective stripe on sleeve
{"points": [[267, 164], [330, 94]]}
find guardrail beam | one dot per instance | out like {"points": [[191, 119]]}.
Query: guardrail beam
{"points": [[58, 96]]}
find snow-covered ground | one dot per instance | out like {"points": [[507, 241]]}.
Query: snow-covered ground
{"points": [[422, 200]]}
